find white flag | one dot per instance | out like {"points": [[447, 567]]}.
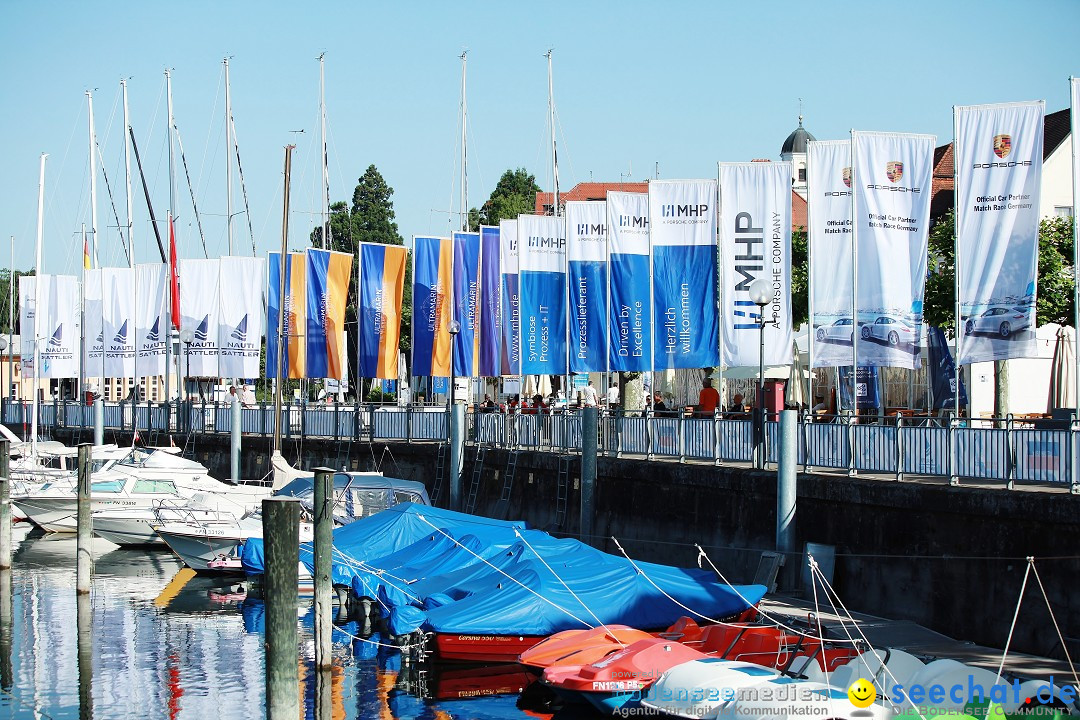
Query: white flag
{"points": [[27, 330], [999, 150], [828, 166], [151, 318], [892, 176], [118, 321], [199, 315], [755, 230], [59, 332], [93, 340], [242, 314]]}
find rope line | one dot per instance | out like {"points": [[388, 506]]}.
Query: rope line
{"points": [[1061, 638], [508, 577], [774, 620], [1012, 629], [600, 622]]}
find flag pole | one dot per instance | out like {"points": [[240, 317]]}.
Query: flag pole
{"points": [[956, 283], [854, 286]]}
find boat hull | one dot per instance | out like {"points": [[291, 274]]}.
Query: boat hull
{"points": [[483, 648], [60, 514], [199, 550], [127, 532]]}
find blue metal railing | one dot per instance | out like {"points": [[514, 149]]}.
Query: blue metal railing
{"points": [[1004, 451]]}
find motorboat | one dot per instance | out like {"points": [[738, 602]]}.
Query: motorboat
{"points": [[141, 479], [213, 543]]}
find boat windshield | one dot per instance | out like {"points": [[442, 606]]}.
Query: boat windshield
{"points": [[154, 486], [107, 486], [98, 465], [136, 457]]}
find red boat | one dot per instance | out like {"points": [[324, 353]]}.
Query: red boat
{"points": [[622, 673], [483, 648], [579, 647]]}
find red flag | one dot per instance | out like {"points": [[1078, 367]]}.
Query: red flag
{"points": [[174, 276]]}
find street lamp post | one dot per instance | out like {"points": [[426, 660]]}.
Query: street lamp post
{"points": [[760, 294]]}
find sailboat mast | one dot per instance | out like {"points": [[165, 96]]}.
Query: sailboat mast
{"points": [[11, 323], [127, 174], [37, 304], [554, 156], [93, 174], [280, 369], [464, 149], [228, 156], [325, 214], [169, 235]]}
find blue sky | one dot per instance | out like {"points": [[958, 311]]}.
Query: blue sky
{"points": [[638, 85]]}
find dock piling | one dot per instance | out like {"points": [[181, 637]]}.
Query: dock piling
{"points": [[99, 421], [85, 656], [84, 554], [785, 481], [5, 505], [234, 455], [324, 600], [281, 543], [589, 428], [7, 675], [457, 453]]}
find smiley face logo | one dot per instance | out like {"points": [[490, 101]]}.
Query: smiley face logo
{"points": [[862, 694]]}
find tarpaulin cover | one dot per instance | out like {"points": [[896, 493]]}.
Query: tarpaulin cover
{"points": [[608, 589]]}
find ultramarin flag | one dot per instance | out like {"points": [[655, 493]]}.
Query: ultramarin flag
{"points": [[542, 277], [338, 276], [118, 321], [630, 298], [273, 315], [240, 329], [467, 303], [682, 233], [93, 340], [490, 302], [382, 280], [200, 314], [510, 346], [999, 152], [432, 291], [828, 175], [892, 174], [318, 265], [151, 318], [755, 229], [586, 266], [296, 315]]}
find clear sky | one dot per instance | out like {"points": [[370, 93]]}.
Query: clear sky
{"points": [[639, 87]]}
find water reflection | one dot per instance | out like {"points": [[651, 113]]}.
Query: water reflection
{"points": [[162, 642]]}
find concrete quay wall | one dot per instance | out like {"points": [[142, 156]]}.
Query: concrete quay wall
{"points": [[949, 558]]}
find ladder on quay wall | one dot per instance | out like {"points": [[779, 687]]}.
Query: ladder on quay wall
{"points": [[440, 473], [477, 473], [562, 492], [503, 507]]}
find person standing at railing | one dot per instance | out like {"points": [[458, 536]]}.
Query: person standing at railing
{"points": [[588, 395], [613, 396], [708, 399]]}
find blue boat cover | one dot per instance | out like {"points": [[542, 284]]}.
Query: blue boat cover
{"points": [[607, 589], [380, 535]]}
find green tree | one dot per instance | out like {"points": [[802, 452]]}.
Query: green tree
{"points": [[370, 218], [514, 194], [6, 308], [800, 278], [1054, 290]]}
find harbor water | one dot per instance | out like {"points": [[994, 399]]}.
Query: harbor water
{"points": [[162, 642]]}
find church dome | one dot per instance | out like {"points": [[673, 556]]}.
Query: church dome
{"points": [[796, 141]]}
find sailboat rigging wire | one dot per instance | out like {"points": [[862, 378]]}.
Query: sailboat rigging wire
{"points": [[112, 201], [243, 187], [213, 116], [63, 162], [191, 190], [821, 632]]}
